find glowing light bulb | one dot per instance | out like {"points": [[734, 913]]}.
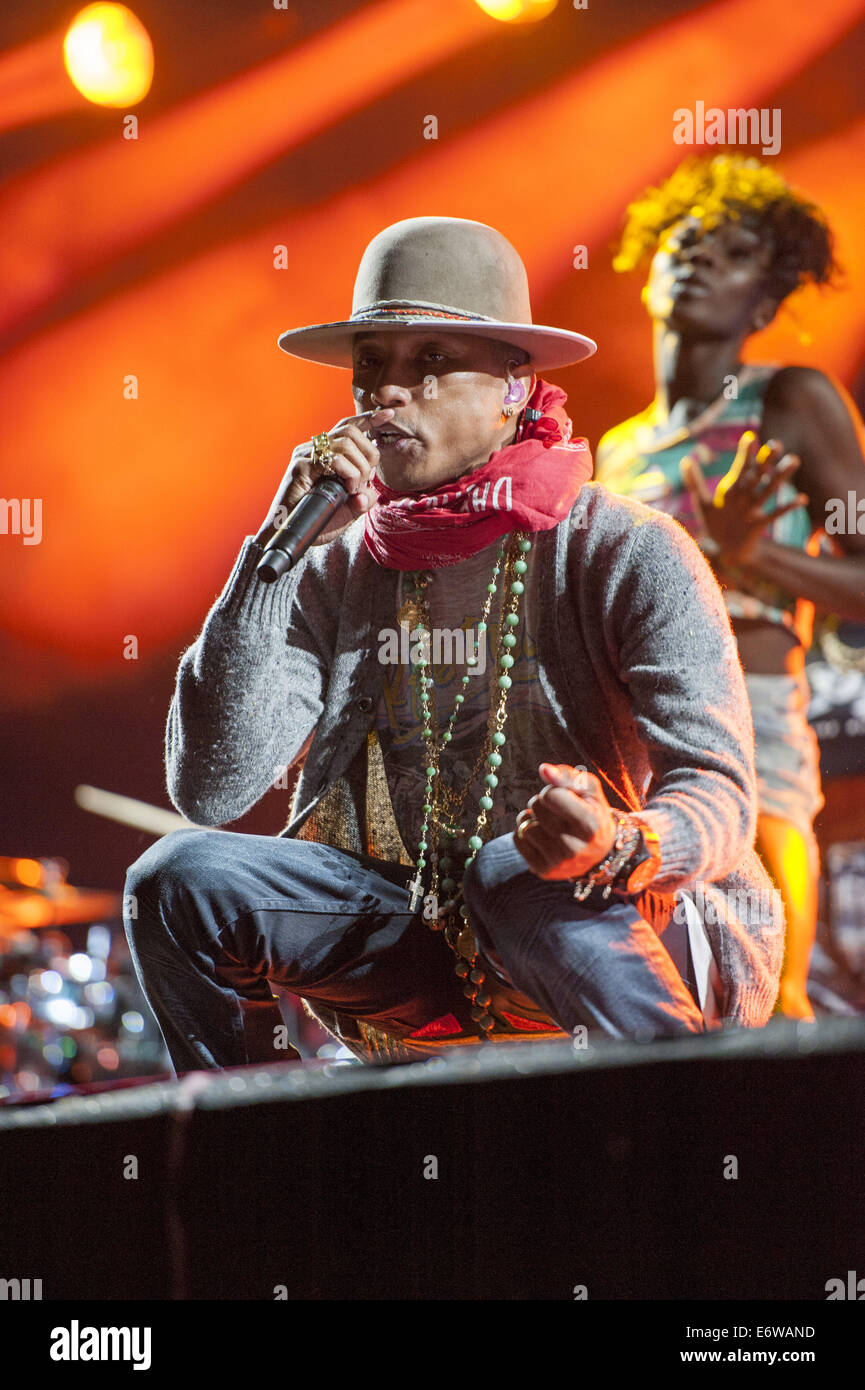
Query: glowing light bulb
{"points": [[517, 11], [108, 55]]}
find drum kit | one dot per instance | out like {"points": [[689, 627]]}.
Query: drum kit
{"points": [[71, 1011]]}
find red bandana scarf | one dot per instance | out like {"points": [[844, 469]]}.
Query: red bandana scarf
{"points": [[530, 485]]}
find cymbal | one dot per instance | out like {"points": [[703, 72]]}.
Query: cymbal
{"points": [[25, 909]]}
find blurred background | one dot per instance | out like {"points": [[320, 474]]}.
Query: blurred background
{"points": [[210, 181]]}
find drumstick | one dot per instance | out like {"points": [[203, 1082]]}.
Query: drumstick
{"points": [[127, 811]]}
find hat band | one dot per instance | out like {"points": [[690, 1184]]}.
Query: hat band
{"points": [[385, 311]]}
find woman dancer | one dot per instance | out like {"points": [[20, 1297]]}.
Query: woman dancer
{"points": [[752, 459]]}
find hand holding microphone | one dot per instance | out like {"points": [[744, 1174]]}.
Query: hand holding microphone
{"points": [[326, 487]]}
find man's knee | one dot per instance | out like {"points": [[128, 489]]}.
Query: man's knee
{"points": [[176, 862], [494, 865]]}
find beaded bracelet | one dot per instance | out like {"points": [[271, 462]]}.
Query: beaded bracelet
{"points": [[605, 873]]}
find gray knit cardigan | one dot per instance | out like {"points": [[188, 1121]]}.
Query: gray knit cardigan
{"points": [[636, 657]]}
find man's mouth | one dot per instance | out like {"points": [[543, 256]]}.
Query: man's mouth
{"points": [[392, 436]]}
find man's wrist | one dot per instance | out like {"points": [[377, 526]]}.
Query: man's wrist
{"points": [[629, 867], [605, 873], [643, 864]]}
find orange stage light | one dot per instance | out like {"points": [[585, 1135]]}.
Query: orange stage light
{"points": [[124, 192], [38, 79], [109, 56], [517, 11], [28, 871]]}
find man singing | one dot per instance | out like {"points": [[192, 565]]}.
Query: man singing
{"points": [[545, 827]]}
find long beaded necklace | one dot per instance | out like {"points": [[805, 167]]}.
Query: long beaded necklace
{"points": [[443, 806]]}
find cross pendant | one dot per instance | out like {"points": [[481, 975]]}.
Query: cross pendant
{"points": [[416, 888]]}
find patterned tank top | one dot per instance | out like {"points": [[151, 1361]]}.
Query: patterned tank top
{"points": [[644, 463]]}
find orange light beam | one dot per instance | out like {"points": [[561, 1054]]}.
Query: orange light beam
{"points": [[221, 408], [575, 191], [33, 83], [828, 172], [123, 191]]}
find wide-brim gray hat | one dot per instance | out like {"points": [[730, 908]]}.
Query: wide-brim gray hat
{"points": [[447, 273]]}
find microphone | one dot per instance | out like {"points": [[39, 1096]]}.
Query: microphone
{"points": [[300, 528]]}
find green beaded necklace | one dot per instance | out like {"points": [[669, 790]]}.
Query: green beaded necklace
{"points": [[443, 806]]}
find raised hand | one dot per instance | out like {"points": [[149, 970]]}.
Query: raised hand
{"points": [[735, 517], [355, 458]]}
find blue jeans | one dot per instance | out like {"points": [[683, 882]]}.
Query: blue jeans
{"points": [[600, 966], [213, 917]]}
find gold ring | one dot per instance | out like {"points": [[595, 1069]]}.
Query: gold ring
{"points": [[322, 454]]}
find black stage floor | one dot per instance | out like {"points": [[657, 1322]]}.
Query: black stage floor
{"points": [[729, 1166]]}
